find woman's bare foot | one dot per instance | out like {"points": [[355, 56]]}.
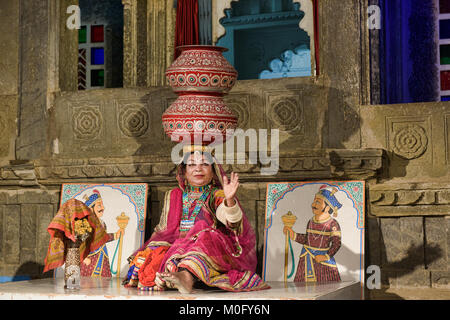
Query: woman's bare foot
{"points": [[181, 280]]}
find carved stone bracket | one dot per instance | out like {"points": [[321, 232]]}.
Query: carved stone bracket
{"points": [[18, 173], [414, 199], [356, 164]]}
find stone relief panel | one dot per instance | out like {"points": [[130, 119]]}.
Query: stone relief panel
{"points": [[416, 138], [138, 128], [409, 137], [87, 122], [108, 123], [285, 112], [133, 119], [297, 114], [410, 142]]}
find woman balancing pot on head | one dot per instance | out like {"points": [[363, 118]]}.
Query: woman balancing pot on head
{"points": [[203, 238]]}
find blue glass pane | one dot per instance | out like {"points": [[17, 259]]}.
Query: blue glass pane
{"points": [[444, 29], [445, 98], [97, 56]]}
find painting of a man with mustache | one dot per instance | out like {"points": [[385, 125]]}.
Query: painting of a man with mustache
{"points": [[97, 262], [321, 241]]}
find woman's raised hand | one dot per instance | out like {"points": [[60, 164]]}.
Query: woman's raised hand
{"points": [[229, 188]]}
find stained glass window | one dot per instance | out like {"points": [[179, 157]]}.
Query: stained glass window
{"points": [[100, 44], [91, 58], [97, 34]]}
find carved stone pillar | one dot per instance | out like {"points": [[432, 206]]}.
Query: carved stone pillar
{"points": [[161, 38], [9, 77], [66, 50], [134, 43], [149, 33]]}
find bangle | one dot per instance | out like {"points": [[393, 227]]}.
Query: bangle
{"points": [[227, 204]]}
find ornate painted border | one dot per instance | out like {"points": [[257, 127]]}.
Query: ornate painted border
{"points": [[276, 192], [136, 192]]}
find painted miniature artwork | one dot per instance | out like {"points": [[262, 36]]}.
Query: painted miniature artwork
{"points": [[122, 208], [314, 232]]}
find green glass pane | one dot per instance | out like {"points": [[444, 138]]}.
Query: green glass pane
{"points": [[82, 34], [445, 53], [97, 78]]}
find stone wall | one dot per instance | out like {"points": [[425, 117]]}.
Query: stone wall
{"points": [[412, 251], [24, 218], [409, 202]]}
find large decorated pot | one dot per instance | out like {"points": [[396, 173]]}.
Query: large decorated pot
{"points": [[201, 68], [201, 76]]}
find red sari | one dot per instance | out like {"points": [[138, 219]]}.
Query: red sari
{"points": [[216, 254]]}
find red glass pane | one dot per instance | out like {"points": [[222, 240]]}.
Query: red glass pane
{"points": [[97, 34], [445, 80]]}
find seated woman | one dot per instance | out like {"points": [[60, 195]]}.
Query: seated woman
{"points": [[203, 236]]}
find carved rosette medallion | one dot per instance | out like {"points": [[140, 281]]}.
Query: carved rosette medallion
{"points": [[133, 121], [286, 114], [87, 123], [410, 142]]}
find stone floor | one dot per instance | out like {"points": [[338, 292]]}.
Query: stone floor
{"points": [[410, 294], [108, 289], [111, 289]]}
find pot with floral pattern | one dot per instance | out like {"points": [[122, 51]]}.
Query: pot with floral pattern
{"points": [[201, 76]]}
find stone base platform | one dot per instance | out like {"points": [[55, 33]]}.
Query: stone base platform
{"points": [[111, 289]]}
